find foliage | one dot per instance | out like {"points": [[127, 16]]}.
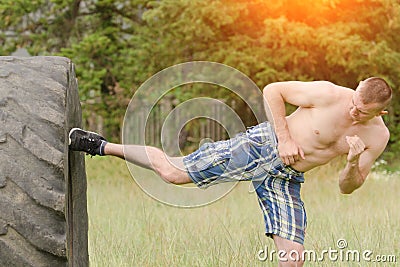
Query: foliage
{"points": [[117, 45]]}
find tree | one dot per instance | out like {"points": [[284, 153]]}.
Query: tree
{"points": [[117, 45]]}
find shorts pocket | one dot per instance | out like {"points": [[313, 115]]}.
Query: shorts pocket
{"points": [[208, 156]]}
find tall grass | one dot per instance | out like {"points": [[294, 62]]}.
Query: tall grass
{"points": [[128, 228]]}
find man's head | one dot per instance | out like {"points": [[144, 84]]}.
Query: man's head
{"points": [[370, 99]]}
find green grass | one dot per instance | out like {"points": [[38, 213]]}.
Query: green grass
{"points": [[128, 228]]}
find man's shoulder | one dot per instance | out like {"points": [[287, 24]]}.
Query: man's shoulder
{"points": [[333, 93], [382, 128], [378, 133], [340, 90], [325, 85]]}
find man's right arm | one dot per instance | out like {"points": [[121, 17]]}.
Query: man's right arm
{"points": [[302, 94]]}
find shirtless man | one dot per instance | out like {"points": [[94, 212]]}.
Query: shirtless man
{"points": [[330, 121]]}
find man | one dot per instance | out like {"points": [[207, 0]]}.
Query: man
{"points": [[330, 121]]}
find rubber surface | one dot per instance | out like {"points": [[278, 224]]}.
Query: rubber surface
{"points": [[43, 216]]}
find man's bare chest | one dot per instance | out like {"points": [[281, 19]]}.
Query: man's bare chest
{"points": [[329, 138], [328, 130]]}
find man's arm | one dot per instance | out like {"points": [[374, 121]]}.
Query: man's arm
{"points": [[302, 94], [359, 162]]}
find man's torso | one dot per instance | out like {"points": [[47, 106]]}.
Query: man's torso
{"points": [[321, 131]]}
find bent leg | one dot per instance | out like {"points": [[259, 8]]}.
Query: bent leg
{"points": [[293, 256], [170, 169]]}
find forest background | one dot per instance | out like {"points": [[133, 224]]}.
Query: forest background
{"points": [[117, 45]]}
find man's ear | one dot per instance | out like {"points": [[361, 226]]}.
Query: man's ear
{"points": [[383, 112]]}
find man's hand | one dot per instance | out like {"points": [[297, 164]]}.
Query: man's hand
{"points": [[290, 151], [352, 178], [357, 146]]}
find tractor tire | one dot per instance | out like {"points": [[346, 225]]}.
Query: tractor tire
{"points": [[43, 212]]}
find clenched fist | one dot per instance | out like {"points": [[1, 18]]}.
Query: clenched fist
{"points": [[356, 145], [290, 152]]}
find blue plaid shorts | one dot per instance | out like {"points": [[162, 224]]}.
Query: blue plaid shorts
{"points": [[253, 156]]}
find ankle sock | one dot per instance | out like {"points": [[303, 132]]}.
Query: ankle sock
{"points": [[102, 146]]}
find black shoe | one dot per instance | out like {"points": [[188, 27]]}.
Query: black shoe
{"points": [[89, 142]]}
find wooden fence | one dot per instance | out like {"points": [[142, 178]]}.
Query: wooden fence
{"points": [[177, 131]]}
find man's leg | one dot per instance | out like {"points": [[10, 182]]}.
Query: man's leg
{"points": [[170, 169], [294, 252]]}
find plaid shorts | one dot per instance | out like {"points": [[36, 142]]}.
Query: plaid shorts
{"points": [[253, 156]]}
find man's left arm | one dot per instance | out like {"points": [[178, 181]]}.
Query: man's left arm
{"points": [[359, 162]]}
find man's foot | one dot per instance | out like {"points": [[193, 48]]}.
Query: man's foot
{"points": [[89, 142]]}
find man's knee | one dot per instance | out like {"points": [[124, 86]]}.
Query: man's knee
{"points": [[171, 173], [291, 261], [293, 256], [174, 176], [160, 164], [170, 170]]}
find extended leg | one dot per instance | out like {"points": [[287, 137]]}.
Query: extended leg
{"points": [[170, 169]]}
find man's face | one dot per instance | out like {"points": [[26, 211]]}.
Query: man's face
{"points": [[360, 112]]}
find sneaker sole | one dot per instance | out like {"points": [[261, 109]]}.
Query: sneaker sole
{"points": [[74, 129], [70, 132]]}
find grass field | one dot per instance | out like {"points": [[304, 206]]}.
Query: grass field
{"points": [[128, 228]]}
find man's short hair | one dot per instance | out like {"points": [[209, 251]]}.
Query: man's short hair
{"points": [[376, 90]]}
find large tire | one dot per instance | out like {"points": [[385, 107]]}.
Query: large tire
{"points": [[43, 215]]}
